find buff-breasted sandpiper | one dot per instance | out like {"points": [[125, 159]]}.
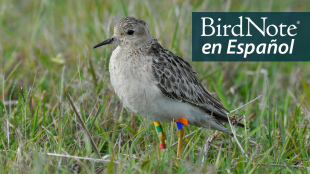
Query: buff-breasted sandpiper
{"points": [[159, 85]]}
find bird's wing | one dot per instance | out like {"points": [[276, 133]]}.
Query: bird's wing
{"points": [[177, 80]]}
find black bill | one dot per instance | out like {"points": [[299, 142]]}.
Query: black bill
{"points": [[109, 41]]}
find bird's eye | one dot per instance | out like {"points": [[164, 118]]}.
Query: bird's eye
{"points": [[130, 32]]}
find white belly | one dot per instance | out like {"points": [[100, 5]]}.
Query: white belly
{"points": [[131, 78]]}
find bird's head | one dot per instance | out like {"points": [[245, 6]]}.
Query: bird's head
{"points": [[129, 32]]}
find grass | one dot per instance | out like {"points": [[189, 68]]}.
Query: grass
{"points": [[46, 49]]}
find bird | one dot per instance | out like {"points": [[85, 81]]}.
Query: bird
{"points": [[159, 85]]}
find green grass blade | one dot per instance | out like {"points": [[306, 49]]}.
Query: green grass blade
{"points": [[124, 8], [11, 73]]}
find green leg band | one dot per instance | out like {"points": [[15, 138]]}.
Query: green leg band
{"points": [[159, 128]]}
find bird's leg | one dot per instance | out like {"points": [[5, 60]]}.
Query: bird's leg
{"points": [[180, 139], [161, 135], [180, 123]]}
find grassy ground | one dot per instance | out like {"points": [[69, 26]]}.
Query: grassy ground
{"points": [[46, 52]]}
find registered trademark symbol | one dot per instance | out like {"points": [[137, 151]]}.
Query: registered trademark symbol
{"points": [[298, 22]]}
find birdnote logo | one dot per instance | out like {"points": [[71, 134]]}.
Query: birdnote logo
{"points": [[247, 48], [251, 36]]}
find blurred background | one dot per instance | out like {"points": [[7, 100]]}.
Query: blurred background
{"points": [[46, 51]]}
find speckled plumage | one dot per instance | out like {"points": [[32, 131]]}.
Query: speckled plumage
{"points": [[156, 84]]}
